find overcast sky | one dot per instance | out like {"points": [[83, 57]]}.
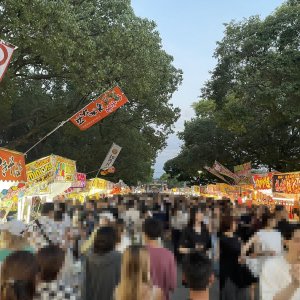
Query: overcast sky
{"points": [[189, 30]]}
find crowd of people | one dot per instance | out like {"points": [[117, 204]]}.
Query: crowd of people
{"points": [[132, 249]]}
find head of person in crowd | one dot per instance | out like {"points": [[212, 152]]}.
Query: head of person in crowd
{"points": [[296, 214], [152, 229], [19, 274], [48, 210], [198, 275], [12, 235], [292, 241], [63, 207], [58, 216], [90, 205], [50, 260], [268, 221], [135, 273], [120, 229], [196, 217], [105, 240], [228, 224]]}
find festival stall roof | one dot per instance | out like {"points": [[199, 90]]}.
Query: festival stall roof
{"points": [[12, 168], [98, 185], [50, 176]]}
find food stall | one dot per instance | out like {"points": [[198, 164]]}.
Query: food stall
{"points": [[47, 177], [12, 178]]}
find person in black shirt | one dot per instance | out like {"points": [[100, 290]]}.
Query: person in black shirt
{"points": [[234, 275], [195, 237]]}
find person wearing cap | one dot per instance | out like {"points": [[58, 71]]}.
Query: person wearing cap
{"points": [[12, 239]]}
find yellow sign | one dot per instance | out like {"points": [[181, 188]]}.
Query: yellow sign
{"points": [[65, 169], [39, 170], [97, 183]]}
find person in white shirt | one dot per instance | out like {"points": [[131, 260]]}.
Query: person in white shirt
{"points": [[280, 277], [132, 214], [270, 239]]}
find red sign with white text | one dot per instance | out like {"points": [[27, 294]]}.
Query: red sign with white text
{"points": [[263, 181], [12, 166], [6, 52], [99, 109]]}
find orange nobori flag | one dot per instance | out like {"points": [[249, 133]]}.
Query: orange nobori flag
{"points": [[100, 108], [6, 52]]}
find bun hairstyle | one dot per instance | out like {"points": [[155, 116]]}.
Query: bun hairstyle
{"points": [[18, 276]]}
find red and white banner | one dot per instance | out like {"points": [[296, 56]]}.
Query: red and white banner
{"points": [[223, 170], [6, 52], [214, 172], [100, 108]]}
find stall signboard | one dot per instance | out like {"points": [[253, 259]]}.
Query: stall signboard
{"points": [[262, 181], [100, 108], [97, 183], [223, 170], [64, 169], [40, 170], [243, 172], [80, 181], [12, 166], [286, 183], [39, 188]]}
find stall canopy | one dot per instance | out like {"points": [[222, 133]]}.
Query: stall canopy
{"points": [[50, 176]]}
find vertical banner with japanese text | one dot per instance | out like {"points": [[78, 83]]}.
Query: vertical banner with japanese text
{"points": [[111, 157]]}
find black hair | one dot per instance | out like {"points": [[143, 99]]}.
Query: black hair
{"points": [[197, 270], [289, 231], [63, 207], [265, 218], [152, 228], [105, 240], [192, 221], [58, 215], [47, 208], [50, 260], [226, 223]]}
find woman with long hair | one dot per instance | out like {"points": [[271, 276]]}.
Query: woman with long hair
{"points": [[195, 237], [135, 281], [18, 276]]}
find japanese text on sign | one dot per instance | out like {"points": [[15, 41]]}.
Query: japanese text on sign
{"points": [[100, 108]]}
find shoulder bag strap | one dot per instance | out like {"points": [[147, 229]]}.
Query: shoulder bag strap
{"points": [[37, 222]]}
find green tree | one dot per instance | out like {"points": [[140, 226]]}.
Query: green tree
{"points": [[250, 108], [255, 86], [69, 52]]}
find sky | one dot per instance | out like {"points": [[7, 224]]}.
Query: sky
{"points": [[189, 30]]}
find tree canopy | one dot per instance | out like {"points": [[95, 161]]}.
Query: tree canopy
{"points": [[250, 108], [69, 51]]}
